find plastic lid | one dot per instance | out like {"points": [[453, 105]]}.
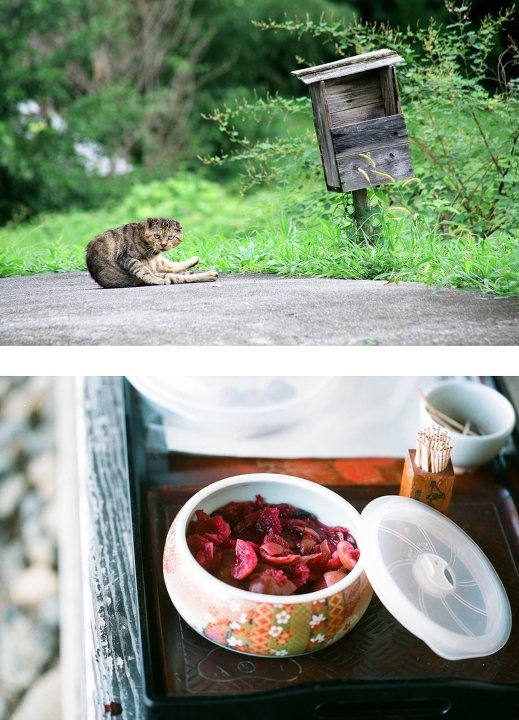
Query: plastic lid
{"points": [[433, 578]]}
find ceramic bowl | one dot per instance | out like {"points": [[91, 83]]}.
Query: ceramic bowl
{"points": [[464, 400], [260, 624]]}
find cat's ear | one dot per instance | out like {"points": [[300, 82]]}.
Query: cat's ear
{"points": [[152, 221]]}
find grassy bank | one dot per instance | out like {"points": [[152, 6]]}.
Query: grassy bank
{"points": [[57, 242], [264, 232]]}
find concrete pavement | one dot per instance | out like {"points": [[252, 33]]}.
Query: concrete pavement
{"points": [[255, 309]]}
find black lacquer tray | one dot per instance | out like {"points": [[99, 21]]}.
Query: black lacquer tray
{"points": [[378, 670]]}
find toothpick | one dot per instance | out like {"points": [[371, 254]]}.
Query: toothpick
{"points": [[432, 449]]}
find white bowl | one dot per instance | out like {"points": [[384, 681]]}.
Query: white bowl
{"points": [[254, 623], [487, 409], [232, 407]]}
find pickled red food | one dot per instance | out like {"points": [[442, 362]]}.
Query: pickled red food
{"points": [[271, 549]]}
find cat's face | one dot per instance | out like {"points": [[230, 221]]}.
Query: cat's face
{"points": [[163, 234]]}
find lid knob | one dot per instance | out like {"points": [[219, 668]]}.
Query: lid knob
{"points": [[434, 575]]}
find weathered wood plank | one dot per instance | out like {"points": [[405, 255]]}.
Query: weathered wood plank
{"points": [[353, 93], [114, 619], [369, 135], [388, 90], [362, 211], [395, 161], [348, 66], [356, 115], [354, 99], [361, 88], [322, 129], [397, 93]]}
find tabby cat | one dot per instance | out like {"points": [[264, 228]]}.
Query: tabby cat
{"points": [[130, 255]]}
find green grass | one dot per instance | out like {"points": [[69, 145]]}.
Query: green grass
{"points": [[257, 234], [57, 242], [408, 251]]}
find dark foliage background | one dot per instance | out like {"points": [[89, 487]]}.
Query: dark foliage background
{"points": [[90, 88]]}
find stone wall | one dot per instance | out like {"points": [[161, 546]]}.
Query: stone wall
{"points": [[29, 618]]}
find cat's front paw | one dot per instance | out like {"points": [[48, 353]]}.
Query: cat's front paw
{"points": [[174, 278], [193, 261], [213, 274]]}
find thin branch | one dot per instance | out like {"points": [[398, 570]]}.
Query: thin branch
{"points": [[459, 181], [485, 140], [512, 152]]}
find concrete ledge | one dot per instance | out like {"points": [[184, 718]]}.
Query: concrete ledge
{"points": [[252, 309]]}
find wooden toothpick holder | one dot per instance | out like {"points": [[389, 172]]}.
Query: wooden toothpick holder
{"points": [[431, 488]]}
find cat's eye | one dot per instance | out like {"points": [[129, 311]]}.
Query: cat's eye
{"points": [[157, 236], [170, 237]]}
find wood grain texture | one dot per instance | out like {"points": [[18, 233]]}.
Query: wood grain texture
{"points": [[116, 656], [370, 135], [433, 489], [356, 115], [322, 129], [348, 66], [397, 93], [354, 99], [353, 91], [388, 89], [395, 161], [362, 210]]}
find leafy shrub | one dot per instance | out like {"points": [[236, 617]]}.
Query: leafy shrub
{"points": [[131, 79], [209, 212], [464, 136]]}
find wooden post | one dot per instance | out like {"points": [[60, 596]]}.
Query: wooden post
{"points": [[362, 211]]}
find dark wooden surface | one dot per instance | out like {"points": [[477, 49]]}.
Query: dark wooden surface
{"points": [[389, 89], [322, 130], [377, 648], [370, 135], [354, 99], [186, 470], [395, 161]]}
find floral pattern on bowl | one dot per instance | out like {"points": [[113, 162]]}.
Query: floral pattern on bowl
{"points": [[275, 629]]}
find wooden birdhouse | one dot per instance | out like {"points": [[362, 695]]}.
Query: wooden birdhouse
{"points": [[359, 121]]}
